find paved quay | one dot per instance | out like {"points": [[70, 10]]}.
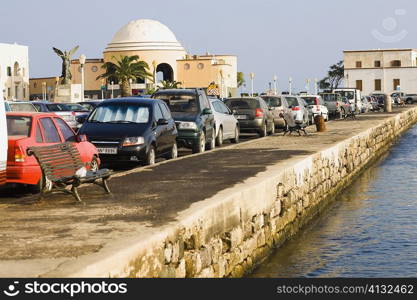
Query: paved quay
{"points": [[38, 238]]}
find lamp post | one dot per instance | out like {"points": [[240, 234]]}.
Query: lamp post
{"points": [[221, 84], [82, 62], [154, 64], [290, 83], [102, 89], [275, 84], [56, 87], [112, 94], [316, 87], [308, 85], [252, 76], [44, 91]]}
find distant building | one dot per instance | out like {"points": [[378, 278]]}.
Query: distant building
{"points": [[382, 70], [14, 71]]}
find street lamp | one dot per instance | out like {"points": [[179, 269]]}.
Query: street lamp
{"points": [[316, 87], [44, 91], [82, 62], [251, 75], [275, 84], [290, 83], [112, 94], [221, 84]]}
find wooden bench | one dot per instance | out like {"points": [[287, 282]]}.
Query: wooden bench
{"points": [[61, 165]]}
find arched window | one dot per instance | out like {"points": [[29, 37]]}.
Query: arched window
{"points": [[9, 71], [16, 69]]}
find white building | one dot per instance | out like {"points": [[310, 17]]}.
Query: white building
{"points": [[382, 70], [14, 71]]}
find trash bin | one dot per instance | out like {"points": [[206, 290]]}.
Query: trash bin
{"points": [[320, 124]]}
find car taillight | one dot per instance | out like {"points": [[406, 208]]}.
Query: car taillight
{"points": [[259, 112], [19, 155], [296, 108], [316, 101], [337, 104]]}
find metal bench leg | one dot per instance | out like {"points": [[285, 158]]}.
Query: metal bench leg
{"points": [[105, 186], [74, 192]]}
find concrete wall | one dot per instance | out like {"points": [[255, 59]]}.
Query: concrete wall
{"points": [[228, 234]]}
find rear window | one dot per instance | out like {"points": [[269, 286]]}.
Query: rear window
{"points": [[272, 101], [179, 102], [22, 107], [242, 103], [56, 107], [292, 101], [120, 113], [17, 125], [75, 107], [310, 100]]}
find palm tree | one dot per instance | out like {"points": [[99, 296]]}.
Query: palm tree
{"points": [[240, 79], [166, 84], [125, 69]]}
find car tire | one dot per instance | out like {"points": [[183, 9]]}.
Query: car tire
{"points": [[235, 140], [409, 101], [150, 156], [219, 138], [212, 144], [200, 147], [173, 153], [272, 132], [263, 131]]}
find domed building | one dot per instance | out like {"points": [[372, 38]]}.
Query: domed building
{"points": [[158, 46]]}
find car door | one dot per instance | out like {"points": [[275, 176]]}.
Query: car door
{"points": [[208, 120], [171, 133], [159, 131]]}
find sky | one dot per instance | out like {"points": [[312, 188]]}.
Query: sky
{"points": [[297, 38]]}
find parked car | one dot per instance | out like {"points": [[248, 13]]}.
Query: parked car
{"points": [[59, 109], [132, 130], [381, 98], [3, 140], [90, 105], [253, 115], [366, 104], [278, 106], [409, 98], [226, 124], [22, 106], [316, 107], [334, 103], [352, 95], [299, 109], [193, 116], [40, 129]]}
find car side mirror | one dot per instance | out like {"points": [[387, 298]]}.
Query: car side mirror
{"points": [[81, 138], [162, 122], [206, 111]]}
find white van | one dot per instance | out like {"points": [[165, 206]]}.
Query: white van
{"points": [[3, 140]]}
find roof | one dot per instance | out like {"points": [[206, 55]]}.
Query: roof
{"points": [[30, 114], [130, 100], [379, 50]]}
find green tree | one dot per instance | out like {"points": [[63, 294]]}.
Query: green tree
{"points": [[334, 76], [240, 79], [167, 84], [124, 69]]}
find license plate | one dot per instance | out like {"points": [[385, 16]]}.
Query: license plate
{"points": [[107, 150], [241, 117]]}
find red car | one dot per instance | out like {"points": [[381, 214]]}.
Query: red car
{"points": [[40, 129]]}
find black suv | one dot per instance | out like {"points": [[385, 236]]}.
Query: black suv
{"points": [[191, 111]]}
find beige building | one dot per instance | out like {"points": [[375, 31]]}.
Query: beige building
{"points": [[381, 70], [14, 71], [157, 45]]}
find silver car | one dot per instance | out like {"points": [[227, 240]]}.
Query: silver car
{"points": [[226, 124], [278, 106], [299, 110]]}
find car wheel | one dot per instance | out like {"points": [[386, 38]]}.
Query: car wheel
{"points": [[212, 144], [200, 147], [263, 131], [235, 140], [219, 138], [174, 152], [409, 101], [150, 156], [94, 164], [272, 129]]}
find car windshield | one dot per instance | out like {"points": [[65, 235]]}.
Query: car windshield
{"points": [[310, 100], [57, 107], [18, 126], [120, 113], [292, 101], [75, 107], [22, 107], [348, 94], [242, 103], [272, 101], [179, 102]]}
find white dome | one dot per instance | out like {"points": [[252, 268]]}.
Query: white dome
{"points": [[144, 34]]}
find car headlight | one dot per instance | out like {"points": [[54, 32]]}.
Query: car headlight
{"points": [[133, 141], [187, 125]]}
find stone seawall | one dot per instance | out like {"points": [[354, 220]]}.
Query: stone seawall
{"points": [[230, 233]]}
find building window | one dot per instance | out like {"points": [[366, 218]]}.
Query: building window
{"points": [[35, 85], [9, 71], [378, 86], [187, 66], [358, 64], [200, 66], [377, 64], [24, 92], [396, 84], [396, 63], [359, 85]]}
